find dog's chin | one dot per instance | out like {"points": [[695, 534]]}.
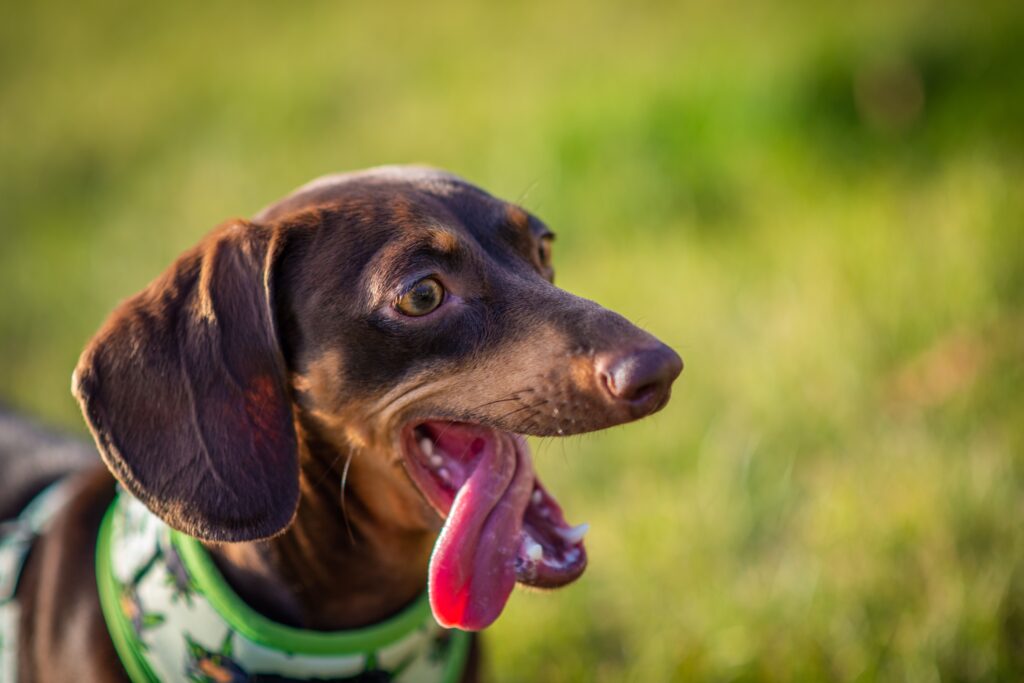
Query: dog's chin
{"points": [[501, 525]]}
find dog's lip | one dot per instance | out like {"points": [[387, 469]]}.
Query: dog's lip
{"points": [[550, 552]]}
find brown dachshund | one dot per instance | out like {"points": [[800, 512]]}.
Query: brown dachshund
{"points": [[331, 397]]}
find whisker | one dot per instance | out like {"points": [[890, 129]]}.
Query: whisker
{"points": [[522, 408], [344, 478], [526, 420], [389, 398], [344, 509], [497, 400], [328, 470], [527, 191], [514, 396], [449, 425]]}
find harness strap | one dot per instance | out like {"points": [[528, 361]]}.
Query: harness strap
{"points": [[16, 539]]}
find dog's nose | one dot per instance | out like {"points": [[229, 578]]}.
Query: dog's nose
{"points": [[641, 378]]}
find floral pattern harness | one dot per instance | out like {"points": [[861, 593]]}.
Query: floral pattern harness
{"points": [[173, 617]]}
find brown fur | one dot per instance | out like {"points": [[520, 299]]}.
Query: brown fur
{"points": [[267, 368]]}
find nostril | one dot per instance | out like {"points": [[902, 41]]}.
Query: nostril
{"points": [[607, 382], [642, 394]]}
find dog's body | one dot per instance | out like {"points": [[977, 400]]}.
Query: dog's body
{"points": [[391, 332], [32, 457]]}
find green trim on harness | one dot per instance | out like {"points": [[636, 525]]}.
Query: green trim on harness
{"points": [[125, 642], [253, 625], [246, 622]]}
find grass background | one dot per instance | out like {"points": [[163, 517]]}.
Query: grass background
{"points": [[821, 205]]}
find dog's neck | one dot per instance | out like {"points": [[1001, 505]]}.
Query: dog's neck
{"points": [[338, 566]]}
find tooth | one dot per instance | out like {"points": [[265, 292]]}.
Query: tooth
{"points": [[537, 497], [443, 474], [534, 550], [436, 461], [575, 534], [427, 446]]}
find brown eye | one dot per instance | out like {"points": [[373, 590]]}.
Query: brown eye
{"points": [[422, 298], [544, 250]]}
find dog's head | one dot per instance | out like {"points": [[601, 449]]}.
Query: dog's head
{"points": [[400, 313]]}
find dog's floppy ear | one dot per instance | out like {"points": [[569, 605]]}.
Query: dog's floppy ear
{"points": [[184, 389]]}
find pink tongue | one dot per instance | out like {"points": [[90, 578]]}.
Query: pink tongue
{"points": [[472, 569]]}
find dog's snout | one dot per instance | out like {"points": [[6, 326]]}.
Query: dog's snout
{"points": [[640, 379]]}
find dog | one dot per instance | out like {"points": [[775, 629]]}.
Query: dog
{"points": [[320, 414]]}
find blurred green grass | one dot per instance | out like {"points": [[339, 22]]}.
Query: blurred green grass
{"points": [[819, 205]]}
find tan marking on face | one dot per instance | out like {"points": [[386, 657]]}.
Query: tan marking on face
{"points": [[357, 435], [517, 217], [581, 371], [345, 427], [323, 397], [320, 386], [403, 211], [443, 239], [301, 383]]}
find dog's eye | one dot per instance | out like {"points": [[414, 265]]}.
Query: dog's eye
{"points": [[544, 250], [422, 298]]}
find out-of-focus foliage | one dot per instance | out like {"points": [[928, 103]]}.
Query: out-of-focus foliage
{"points": [[820, 205]]}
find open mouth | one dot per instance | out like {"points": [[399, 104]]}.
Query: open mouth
{"points": [[501, 525]]}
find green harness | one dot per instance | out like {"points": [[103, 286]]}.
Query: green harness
{"points": [[173, 617]]}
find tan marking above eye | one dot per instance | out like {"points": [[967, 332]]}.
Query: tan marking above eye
{"points": [[422, 298], [444, 240], [516, 217]]}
